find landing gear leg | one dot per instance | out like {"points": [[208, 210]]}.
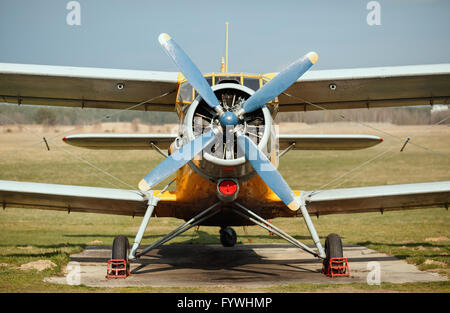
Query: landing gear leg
{"points": [[251, 216], [199, 218], [151, 204], [228, 237], [312, 229]]}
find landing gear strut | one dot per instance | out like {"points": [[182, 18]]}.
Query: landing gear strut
{"points": [[199, 218], [228, 237]]}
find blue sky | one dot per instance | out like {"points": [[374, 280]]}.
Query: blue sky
{"points": [[265, 36]]}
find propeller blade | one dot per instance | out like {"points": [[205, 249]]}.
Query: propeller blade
{"points": [[279, 83], [176, 160], [267, 172], [189, 70]]}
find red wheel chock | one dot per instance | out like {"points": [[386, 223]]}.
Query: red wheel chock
{"points": [[117, 269], [336, 267]]}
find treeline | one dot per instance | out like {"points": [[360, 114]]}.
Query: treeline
{"points": [[399, 116], [27, 114]]}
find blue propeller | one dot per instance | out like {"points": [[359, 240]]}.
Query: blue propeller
{"points": [[188, 151], [279, 83], [177, 159], [267, 171], [256, 157], [190, 71]]}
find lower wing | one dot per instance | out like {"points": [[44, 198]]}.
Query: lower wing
{"points": [[134, 203], [378, 198], [81, 199]]}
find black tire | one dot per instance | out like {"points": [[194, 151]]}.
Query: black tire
{"points": [[333, 249], [333, 246], [228, 237], [120, 248]]}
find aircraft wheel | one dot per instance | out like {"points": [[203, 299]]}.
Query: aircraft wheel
{"points": [[228, 237], [120, 249], [333, 249], [333, 246]]}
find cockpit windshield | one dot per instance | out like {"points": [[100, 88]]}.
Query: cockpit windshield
{"points": [[186, 94]]}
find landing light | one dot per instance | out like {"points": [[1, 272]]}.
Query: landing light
{"points": [[227, 189]]}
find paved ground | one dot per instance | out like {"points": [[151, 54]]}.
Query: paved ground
{"points": [[243, 265]]}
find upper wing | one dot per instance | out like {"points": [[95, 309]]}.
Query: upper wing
{"points": [[327, 142], [378, 198], [87, 87], [121, 141], [163, 141], [368, 88], [81, 199]]}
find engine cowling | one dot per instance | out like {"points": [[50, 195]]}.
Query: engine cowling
{"points": [[223, 158]]}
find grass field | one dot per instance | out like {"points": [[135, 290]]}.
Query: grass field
{"points": [[421, 237]]}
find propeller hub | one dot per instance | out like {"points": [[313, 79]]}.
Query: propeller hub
{"points": [[229, 119]]}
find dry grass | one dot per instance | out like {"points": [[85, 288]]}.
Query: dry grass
{"points": [[419, 237]]}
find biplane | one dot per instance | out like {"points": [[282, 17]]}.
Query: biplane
{"points": [[226, 152]]}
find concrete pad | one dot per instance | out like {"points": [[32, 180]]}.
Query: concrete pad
{"points": [[243, 265]]}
